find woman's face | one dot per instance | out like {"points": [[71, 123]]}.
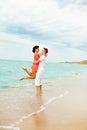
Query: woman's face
{"points": [[37, 50]]}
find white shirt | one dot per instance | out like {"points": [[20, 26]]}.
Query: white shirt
{"points": [[42, 62]]}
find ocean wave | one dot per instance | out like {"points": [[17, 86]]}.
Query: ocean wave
{"points": [[9, 127]]}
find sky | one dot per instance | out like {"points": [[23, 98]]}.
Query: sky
{"points": [[59, 25]]}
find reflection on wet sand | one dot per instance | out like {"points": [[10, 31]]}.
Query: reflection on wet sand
{"points": [[39, 118]]}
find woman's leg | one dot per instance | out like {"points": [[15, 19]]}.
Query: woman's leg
{"points": [[27, 71], [24, 77], [32, 76]]}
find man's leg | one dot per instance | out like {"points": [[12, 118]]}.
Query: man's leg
{"points": [[37, 90], [38, 83], [40, 89]]}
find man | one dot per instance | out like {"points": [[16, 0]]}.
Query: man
{"points": [[39, 74]]}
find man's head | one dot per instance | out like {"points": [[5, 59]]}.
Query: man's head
{"points": [[44, 51], [35, 49]]}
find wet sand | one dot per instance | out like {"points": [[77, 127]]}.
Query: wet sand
{"points": [[63, 106]]}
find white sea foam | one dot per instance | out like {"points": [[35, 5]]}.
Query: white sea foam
{"points": [[29, 115], [40, 110], [9, 127], [55, 98]]}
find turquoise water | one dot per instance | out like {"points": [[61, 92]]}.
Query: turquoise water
{"points": [[10, 72]]}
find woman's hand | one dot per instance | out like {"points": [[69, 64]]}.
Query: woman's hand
{"points": [[36, 62]]}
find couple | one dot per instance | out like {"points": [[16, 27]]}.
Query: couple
{"points": [[37, 68]]}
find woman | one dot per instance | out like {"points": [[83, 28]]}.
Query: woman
{"points": [[34, 67]]}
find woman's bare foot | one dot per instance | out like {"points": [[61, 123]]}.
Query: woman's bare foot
{"points": [[24, 68], [22, 78], [25, 77]]}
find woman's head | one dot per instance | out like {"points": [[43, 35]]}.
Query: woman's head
{"points": [[35, 49]]}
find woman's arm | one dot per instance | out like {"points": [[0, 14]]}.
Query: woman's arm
{"points": [[36, 62], [40, 59]]}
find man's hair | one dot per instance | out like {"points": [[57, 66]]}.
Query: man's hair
{"points": [[34, 48], [46, 50]]}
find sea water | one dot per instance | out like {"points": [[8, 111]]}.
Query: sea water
{"points": [[11, 71]]}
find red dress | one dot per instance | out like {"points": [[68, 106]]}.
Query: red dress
{"points": [[35, 66]]}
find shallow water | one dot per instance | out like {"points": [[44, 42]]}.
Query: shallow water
{"points": [[10, 72]]}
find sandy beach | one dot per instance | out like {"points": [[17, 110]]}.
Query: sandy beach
{"points": [[62, 106]]}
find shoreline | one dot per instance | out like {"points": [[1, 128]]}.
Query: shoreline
{"points": [[62, 106]]}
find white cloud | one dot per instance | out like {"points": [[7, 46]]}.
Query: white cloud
{"points": [[44, 22], [17, 47]]}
